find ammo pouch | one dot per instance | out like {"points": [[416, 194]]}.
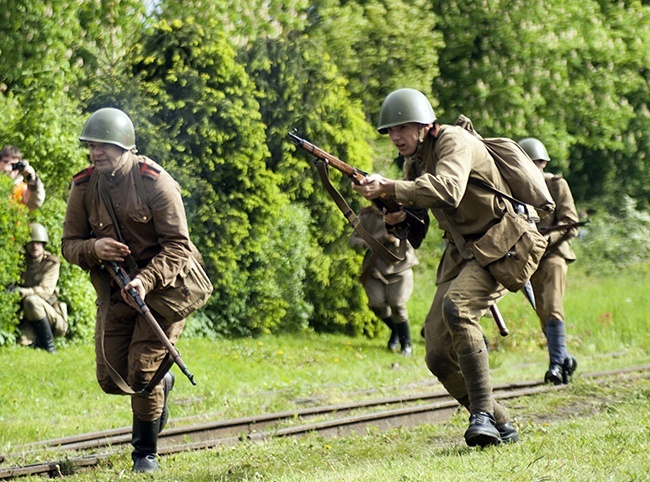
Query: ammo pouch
{"points": [[187, 293], [511, 250]]}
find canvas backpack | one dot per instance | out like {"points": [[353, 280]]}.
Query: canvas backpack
{"points": [[525, 180]]}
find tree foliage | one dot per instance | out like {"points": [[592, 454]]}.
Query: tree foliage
{"points": [[568, 73], [379, 46], [213, 89]]}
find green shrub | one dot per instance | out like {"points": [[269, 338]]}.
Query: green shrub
{"points": [[14, 233]]}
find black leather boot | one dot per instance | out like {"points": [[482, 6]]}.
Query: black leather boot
{"points": [[506, 428], [482, 430], [568, 368], [404, 333], [554, 374], [168, 384], [508, 432], [44, 336], [556, 343], [393, 341], [145, 445]]}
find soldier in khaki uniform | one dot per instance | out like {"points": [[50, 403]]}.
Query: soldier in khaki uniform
{"points": [[549, 281], [156, 246], [440, 161], [43, 316], [388, 285]]}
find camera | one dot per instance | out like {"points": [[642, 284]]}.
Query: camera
{"points": [[18, 166]]}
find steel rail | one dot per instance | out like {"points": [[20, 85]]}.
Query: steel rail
{"points": [[438, 407]]}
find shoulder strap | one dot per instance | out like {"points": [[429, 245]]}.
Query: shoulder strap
{"points": [[354, 220], [519, 206], [106, 198], [138, 170]]}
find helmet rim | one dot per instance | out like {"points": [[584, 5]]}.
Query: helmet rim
{"points": [[403, 106], [109, 125], [38, 233], [534, 148]]}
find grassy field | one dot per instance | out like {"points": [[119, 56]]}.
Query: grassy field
{"points": [[593, 431]]}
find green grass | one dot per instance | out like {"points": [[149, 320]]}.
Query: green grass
{"points": [[595, 430]]}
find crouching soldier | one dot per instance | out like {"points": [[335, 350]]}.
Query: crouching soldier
{"points": [[43, 316]]}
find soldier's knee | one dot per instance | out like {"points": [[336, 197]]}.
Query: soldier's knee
{"points": [[450, 312], [381, 311], [440, 367], [107, 385], [30, 303]]}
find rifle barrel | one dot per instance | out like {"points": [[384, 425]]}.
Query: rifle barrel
{"points": [[559, 227], [122, 279], [498, 319]]}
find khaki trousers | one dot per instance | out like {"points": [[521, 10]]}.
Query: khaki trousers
{"points": [[36, 308], [452, 326], [389, 297], [549, 285], [134, 351]]}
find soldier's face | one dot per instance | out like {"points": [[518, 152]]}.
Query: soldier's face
{"points": [[541, 164], [406, 137], [105, 157], [35, 249]]}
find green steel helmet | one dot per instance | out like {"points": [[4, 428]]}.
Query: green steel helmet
{"points": [[110, 126], [38, 233], [535, 149], [403, 106]]}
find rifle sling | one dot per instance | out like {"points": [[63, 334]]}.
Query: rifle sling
{"points": [[375, 244], [168, 361]]}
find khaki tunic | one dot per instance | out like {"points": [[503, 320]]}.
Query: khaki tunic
{"points": [[40, 296], [549, 281], [156, 232], [438, 177], [389, 285]]}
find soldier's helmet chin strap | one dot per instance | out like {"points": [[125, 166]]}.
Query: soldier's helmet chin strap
{"points": [[424, 131]]}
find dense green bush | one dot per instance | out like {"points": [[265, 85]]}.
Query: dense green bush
{"points": [[215, 88], [14, 233]]}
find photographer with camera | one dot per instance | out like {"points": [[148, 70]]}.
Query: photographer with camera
{"points": [[28, 187]]}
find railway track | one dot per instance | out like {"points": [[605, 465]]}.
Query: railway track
{"points": [[88, 450]]}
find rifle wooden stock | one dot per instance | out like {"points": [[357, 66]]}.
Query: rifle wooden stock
{"points": [[559, 227], [122, 279], [384, 203]]}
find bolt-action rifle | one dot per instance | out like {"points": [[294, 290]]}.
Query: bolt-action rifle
{"points": [[415, 225], [122, 279], [560, 227]]}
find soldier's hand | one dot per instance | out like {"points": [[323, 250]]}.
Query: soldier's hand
{"points": [[135, 283], [374, 186], [109, 249], [394, 217]]}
